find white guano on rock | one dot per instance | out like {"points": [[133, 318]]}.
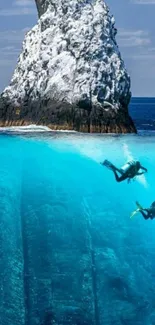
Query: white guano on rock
{"points": [[71, 56]]}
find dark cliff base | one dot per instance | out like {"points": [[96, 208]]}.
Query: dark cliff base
{"points": [[62, 116]]}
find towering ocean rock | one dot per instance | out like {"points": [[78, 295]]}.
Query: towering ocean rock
{"points": [[70, 74]]}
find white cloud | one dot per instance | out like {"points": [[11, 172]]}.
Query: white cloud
{"points": [[9, 50], [10, 46], [23, 3], [14, 36], [136, 45], [20, 7], [143, 2], [151, 49], [18, 11], [142, 56], [7, 62], [133, 38]]}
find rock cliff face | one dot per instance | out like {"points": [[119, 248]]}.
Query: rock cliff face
{"points": [[70, 74]]}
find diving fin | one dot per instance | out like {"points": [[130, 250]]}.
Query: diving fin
{"points": [[139, 206], [134, 212], [108, 164], [137, 210]]}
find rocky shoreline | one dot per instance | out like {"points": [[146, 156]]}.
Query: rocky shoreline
{"points": [[61, 116]]}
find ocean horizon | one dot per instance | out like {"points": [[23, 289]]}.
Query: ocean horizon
{"points": [[142, 111]]}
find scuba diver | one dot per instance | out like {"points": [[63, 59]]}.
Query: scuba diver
{"points": [[146, 213], [130, 170]]}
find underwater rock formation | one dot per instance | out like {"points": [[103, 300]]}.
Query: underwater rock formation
{"points": [[70, 74], [70, 254]]}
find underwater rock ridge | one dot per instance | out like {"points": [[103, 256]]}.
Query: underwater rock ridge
{"points": [[69, 253], [70, 74]]}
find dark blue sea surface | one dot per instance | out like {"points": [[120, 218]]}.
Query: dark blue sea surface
{"points": [[142, 110]]}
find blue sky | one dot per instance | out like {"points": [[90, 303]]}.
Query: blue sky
{"points": [[136, 38]]}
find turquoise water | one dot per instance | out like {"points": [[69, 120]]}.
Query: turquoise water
{"points": [[70, 254]]}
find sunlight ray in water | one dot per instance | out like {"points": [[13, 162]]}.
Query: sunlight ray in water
{"points": [[128, 155]]}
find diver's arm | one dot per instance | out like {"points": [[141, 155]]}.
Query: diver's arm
{"points": [[143, 168], [139, 173]]}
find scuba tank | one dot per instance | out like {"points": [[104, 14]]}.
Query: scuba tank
{"points": [[126, 167]]}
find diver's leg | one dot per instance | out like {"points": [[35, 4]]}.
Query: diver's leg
{"points": [[118, 170], [119, 178], [109, 165], [145, 216]]}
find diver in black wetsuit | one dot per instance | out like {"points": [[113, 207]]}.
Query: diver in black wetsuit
{"points": [[148, 213], [128, 171]]}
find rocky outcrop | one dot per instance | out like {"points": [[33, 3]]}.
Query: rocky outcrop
{"points": [[70, 74]]}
